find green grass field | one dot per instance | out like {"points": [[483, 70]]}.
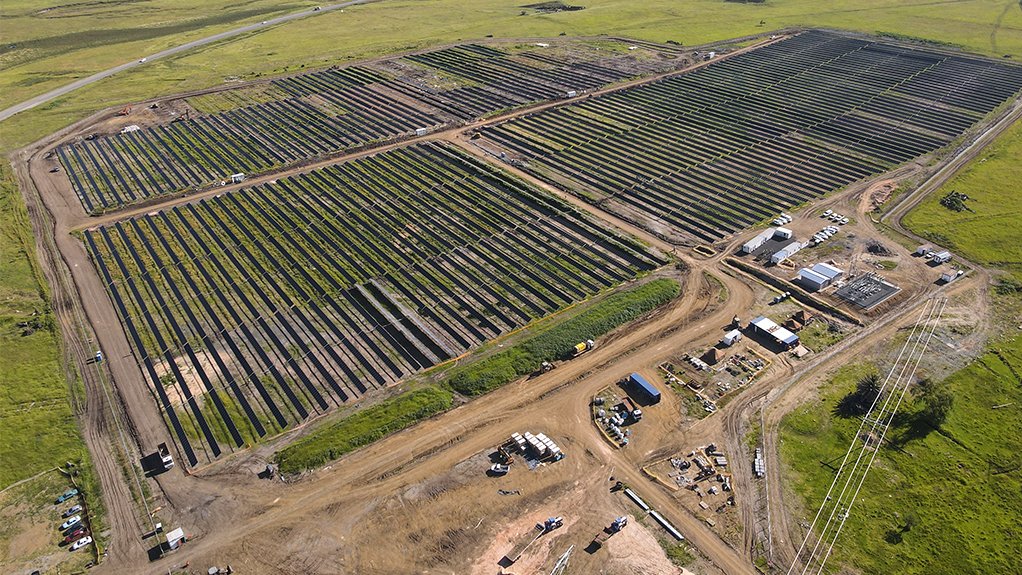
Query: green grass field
{"points": [[989, 233], [819, 336], [48, 44], [960, 483], [37, 427]]}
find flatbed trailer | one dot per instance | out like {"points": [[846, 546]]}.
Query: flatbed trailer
{"points": [[542, 529], [609, 532]]}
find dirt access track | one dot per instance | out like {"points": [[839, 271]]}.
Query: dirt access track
{"points": [[422, 491]]}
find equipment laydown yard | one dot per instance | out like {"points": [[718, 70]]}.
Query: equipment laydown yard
{"points": [[701, 155], [258, 308]]}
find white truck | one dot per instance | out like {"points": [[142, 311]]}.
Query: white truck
{"points": [[165, 456]]}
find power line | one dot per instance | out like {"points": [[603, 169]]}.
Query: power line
{"points": [[878, 421]]}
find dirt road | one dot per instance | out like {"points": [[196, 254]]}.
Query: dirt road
{"points": [[102, 424]]}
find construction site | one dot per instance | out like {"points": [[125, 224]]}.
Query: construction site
{"points": [[391, 224]]}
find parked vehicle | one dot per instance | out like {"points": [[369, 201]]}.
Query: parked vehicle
{"points": [[76, 534], [165, 456], [67, 495], [72, 521], [71, 511], [584, 347], [81, 543], [500, 468], [616, 526]]}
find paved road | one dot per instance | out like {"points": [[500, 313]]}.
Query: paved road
{"points": [[43, 98]]}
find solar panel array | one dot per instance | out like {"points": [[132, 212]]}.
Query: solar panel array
{"points": [[707, 153], [256, 309]]}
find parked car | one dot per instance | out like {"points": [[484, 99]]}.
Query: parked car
{"points": [[72, 521], [72, 511], [67, 495], [76, 535], [81, 543], [499, 468]]}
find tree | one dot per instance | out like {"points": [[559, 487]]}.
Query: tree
{"points": [[911, 520], [936, 401], [858, 402]]}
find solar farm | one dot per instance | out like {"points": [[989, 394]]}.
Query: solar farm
{"points": [[293, 120], [307, 310], [699, 156], [253, 310]]}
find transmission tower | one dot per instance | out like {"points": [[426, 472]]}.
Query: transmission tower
{"points": [[562, 563]]}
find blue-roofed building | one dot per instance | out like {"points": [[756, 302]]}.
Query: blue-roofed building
{"points": [[647, 393]]}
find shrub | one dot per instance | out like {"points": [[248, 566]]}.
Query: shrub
{"points": [[362, 428], [557, 342]]}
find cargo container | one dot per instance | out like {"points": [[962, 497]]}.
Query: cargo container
{"points": [[647, 393]]}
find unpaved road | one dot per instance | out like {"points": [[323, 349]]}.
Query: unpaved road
{"points": [[56, 93]]}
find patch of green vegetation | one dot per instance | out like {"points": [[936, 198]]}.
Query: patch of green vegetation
{"points": [[364, 427], [955, 201], [1008, 286], [557, 340], [678, 553], [887, 264], [693, 405], [553, 7], [754, 435], [940, 498], [38, 430], [986, 232], [820, 335]]}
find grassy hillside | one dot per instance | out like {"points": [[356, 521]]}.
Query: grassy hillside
{"points": [[959, 484], [48, 44], [37, 428], [987, 231]]}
